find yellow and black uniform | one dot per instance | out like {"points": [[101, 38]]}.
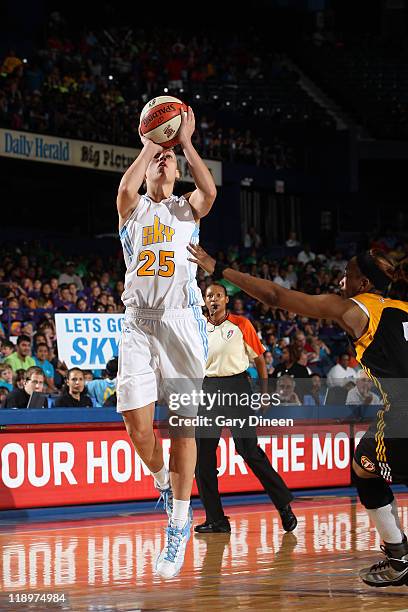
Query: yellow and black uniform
{"points": [[231, 345], [382, 351]]}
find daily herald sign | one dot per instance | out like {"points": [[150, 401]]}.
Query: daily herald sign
{"points": [[91, 155], [88, 341]]}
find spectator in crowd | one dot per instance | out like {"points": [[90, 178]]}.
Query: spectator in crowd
{"points": [[289, 363], [292, 241], [289, 326], [302, 384], [285, 388], [74, 396], [330, 333], [33, 383], [19, 379], [73, 293], [353, 363], [28, 330], [362, 394], [6, 376], [306, 255], [4, 392], [281, 279], [15, 328], [61, 371], [39, 338], [69, 276], [7, 348], [291, 276], [48, 329], [100, 390], [269, 363], [81, 305], [301, 342], [317, 394], [64, 299], [341, 374], [41, 359], [303, 360], [238, 307], [337, 262], [322, 361], [252, 239], [21, 359]]}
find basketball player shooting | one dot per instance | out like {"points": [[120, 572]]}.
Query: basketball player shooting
{"points": [[377, 327], [163, 339]]}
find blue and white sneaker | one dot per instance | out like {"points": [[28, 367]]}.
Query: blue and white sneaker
{"points": [[166, 496], [170, 561]]}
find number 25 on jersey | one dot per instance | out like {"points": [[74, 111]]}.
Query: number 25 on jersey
{"points": [[166, 263]]}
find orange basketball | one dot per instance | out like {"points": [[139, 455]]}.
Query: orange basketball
{"points": [[160, 120]]}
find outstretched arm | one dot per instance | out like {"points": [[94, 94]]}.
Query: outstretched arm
{"points": [[345, 312], [202, 198]]}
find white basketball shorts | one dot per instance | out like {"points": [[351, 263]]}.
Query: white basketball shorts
{"points": [[162, 354]]}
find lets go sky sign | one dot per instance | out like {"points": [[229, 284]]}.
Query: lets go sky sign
{"points": [[88, 341]]}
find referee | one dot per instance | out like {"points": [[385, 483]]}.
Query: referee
{"points": [[232, 342]]}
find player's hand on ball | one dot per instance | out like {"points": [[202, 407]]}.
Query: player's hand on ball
{"points": [[200, 257], [146, 142], [187, 127]]}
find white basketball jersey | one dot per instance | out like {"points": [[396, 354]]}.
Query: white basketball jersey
{"points": [[154, 241]]}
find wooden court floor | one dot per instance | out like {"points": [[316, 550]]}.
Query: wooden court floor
{"points": [[106, 564]]}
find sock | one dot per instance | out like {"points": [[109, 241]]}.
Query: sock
{"points": [[162, 477], [180, 512], [387, 523]]}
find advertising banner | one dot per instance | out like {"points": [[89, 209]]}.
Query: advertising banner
{"points": [[82, 154], [87, 341], [78, 467]]}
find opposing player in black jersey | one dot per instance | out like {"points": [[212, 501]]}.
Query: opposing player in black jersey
{"points": [[378, 328]]}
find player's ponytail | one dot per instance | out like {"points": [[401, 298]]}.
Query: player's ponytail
{"points": [[396, 271], [399, 287], [401, 271]]}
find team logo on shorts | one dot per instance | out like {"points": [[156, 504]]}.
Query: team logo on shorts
{"points": [[367, 464]]}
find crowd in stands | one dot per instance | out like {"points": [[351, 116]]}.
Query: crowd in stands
{"points": [[36, 284], [92, 85], [34, 385]]}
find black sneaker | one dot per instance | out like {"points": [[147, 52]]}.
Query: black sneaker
{"points": [[392, 571], [221, 526], [289, 520]]}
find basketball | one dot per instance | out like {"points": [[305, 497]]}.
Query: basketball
{"points": [[160, 120]]}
